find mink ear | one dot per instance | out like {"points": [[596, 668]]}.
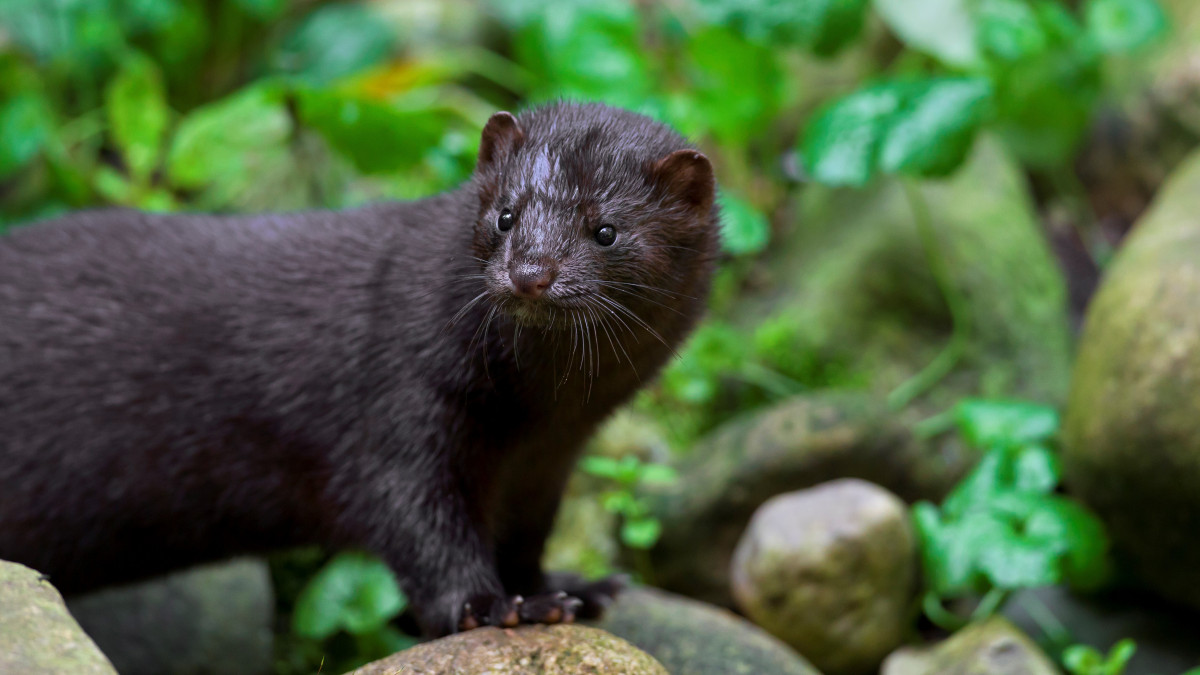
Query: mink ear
{"points": [[501, 135], [686, 175]]}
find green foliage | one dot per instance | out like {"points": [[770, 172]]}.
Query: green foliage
{"points": [[823, 27], [1003, 527], [1085, 660], [354, 594], [1125, 25], [639, 529]]}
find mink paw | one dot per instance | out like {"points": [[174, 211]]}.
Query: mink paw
{"points": [[594, 596], [546, 608]]}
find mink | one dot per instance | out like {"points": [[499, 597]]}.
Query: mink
{"points": [[415, 379]]}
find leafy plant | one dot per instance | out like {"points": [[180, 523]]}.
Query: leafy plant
{"points": [[357, 595], [639, 529], [1086, 660], [1003, 527]]}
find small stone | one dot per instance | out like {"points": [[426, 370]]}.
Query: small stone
{"points": [[37, 634], [830, 570], [994, 647], [529, 650]]}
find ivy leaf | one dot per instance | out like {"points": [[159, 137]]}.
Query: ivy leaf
{"points": [[919, 127], [1125, 25], [136, 105], [1036, 470], [991, 423], [744, 229], [1009, 30], [376, 137], [944, 29], [24, 130], [354, 592], [1056, 521]]}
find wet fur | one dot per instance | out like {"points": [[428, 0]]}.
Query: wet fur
{"points": [[176, 389]]}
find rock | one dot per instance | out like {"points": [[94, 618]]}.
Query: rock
{"points": [[37, 634], [831, 571], [993, 647], [1165, 635], [215, 619], [692, 638], [1131, 430], [802, 442], [853, 274], [530, 650]]}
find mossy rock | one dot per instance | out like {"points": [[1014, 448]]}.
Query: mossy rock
{"points": [[853, 275], [799, 443], [1132, 428], [37, 634], [530, 650], [994, 647], [693, 638]]}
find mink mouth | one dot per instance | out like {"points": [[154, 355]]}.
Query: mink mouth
{"points": [[545, 313]]}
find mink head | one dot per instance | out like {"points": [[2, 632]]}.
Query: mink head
{"points": [[583, 207]]}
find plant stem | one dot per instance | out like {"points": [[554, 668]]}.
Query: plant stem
{"points": [[939, 615], [945, 361], [990, 603]]}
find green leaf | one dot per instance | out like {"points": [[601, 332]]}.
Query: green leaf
{"points": [[1036, 469], [986, 480], [735, 85], [603, 467], [744, 229], [262, 9], [920, 127], [715, 350], [1082, 660], [658, 474], [994, 423], [354, 592], [1119, 656], [1080, 536], [334, 41], [588, 50], [375, 137], [135, 103], [936, 130], [1125, 25], [641, 533], [1010, 562], [821, 26], [220, 142], [953, 552], [944, 29], [1009, 30], [24, 130]]}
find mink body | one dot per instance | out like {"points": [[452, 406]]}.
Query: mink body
{"points": [[415, 379]]}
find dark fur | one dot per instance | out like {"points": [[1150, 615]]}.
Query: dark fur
{"points": [[181, 388]]}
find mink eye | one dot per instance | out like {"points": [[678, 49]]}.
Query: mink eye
{"points": [[606, 235], [505, 222]]}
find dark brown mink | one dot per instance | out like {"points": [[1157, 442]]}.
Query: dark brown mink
{"points": [[414, 379]]}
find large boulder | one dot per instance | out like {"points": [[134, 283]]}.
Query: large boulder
{"points": [[1132, 428], [530, 650], [993, 647], [802, 442], [832, 571], [37, 634], [692, 638], [215, 619]]}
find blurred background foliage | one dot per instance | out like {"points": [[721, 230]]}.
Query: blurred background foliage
{"points": [[254, 105]]}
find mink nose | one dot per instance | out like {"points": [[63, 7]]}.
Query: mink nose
{"points": [[530, 280]]}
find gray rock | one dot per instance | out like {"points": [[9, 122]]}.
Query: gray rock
{"points": [[213, 620], [692, 638], [802, 442], [993, 647], [1168, 638], [831, 571], [37, 634], [530, 650], [1131, 431]]}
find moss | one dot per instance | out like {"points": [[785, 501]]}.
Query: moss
{"points": [[37, 634]]}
